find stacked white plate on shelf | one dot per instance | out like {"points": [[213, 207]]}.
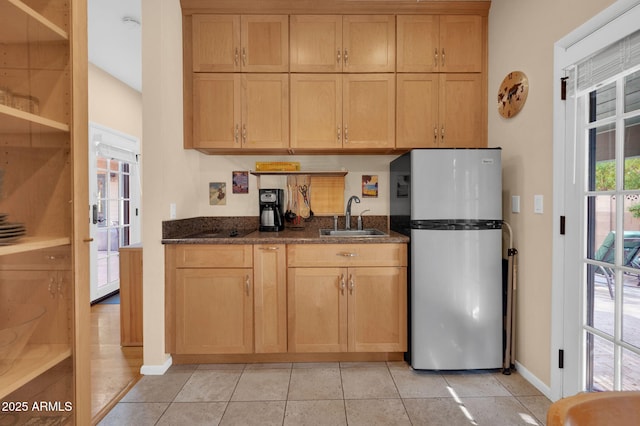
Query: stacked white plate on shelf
{"points": [[10, 232]]}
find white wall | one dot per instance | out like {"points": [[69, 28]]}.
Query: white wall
{"points": [[114, 104], [169, 172], [521, 37]]}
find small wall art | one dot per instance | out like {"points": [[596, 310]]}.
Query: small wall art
{"points": [[370, 186], [240, 182], [217, 193]]}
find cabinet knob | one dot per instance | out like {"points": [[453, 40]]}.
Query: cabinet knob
{"points": [[339, 134], [435, 57], [247, 284], [352, 284], [435, 135], [443, 55], [271, 248], [442, 134], [244, 57], [346, 57], [236, 133], [342, 285], [236, 55], [346, 134], [244, 134], [346, 254], [339, 56]]}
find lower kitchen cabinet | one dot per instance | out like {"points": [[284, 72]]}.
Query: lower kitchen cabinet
{"points": [[342, 308], [214, 311], [377, 309], [227, 299], [270, 297], [209, 299], [317, 310], [286, 300]]}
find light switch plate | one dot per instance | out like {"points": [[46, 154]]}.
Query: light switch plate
{"points": [[172, 211], [538, 204], [515, 204]]}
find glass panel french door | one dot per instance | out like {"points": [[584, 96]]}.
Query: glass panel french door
{"points": [[112, 218], [611, 293]]}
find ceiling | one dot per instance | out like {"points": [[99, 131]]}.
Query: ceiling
{"points": [[115, 46]]}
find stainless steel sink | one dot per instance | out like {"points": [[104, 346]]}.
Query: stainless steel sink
{"points": [[352, 233]]}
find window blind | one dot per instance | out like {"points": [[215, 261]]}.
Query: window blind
{"points": [[620, 57]]}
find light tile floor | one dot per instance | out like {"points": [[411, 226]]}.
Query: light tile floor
{"points": [[328, 394]]}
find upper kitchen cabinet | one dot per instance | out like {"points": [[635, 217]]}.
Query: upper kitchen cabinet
{"points": [[440, 111], [350, 43], [368, 111], [240, 111], [44, 315], [342, 112], [446, 43], [341, 59], [234, 43], [316, 111]]}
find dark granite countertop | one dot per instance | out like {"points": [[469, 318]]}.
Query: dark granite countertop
{"points": [[243, 230]]}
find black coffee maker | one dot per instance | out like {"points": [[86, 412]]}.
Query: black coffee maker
{"points": [[271, 210]]}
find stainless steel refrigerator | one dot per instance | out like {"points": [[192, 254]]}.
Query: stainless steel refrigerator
{"points": [[449, 201]]}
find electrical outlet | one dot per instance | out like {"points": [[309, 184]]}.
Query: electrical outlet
{"points": [[172, 211]]}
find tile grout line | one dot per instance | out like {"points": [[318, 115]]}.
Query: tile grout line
{"points": [[399, 394], [174, 397]]}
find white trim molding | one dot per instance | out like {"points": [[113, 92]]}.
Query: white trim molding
{"points": [[614, 23], [156, 370]]}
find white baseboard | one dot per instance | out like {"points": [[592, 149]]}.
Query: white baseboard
{"points": [[531, 378], [156, 370]]}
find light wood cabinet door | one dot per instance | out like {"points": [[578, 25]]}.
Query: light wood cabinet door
{"points": [[265, 43], [417, 111], [216, 43], [461, 43], [234, 111], [377, 309], [265, 111], [214, 311], [461, 112], [316, 111], [369, 43], [368, 112], [418, 43], [316, 43], [317, 313], [270, 298], [232, 43], [217, 111], [440, 111], [446, 43]]}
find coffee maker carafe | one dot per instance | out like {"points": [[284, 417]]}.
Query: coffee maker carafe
{"points": [[271, 210]]}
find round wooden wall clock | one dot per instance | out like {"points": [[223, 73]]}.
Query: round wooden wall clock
{"points": [[512, 94]]}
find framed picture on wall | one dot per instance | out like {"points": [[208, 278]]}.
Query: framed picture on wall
{"points": [[370, 186], [217, 193], [240, 182]]}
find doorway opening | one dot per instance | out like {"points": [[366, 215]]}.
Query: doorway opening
{"points": [[114, 196]]}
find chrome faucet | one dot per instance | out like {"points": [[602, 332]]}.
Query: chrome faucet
{"points": [[347, 213]]}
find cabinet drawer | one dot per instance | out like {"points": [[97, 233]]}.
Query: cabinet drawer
{"points": [[347, 255], [214, 256]]}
